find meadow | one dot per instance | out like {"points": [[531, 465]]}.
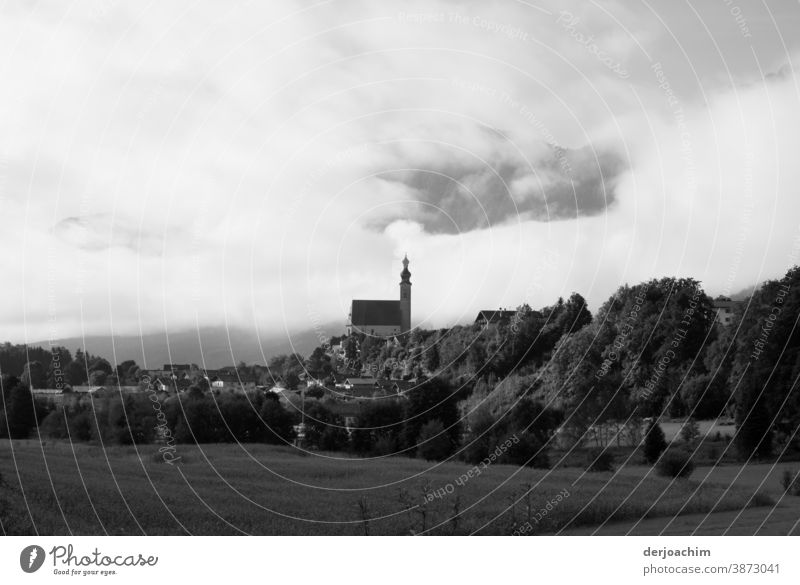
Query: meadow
{"points": [[60, 488]]}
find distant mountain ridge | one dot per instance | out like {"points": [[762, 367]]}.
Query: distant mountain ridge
{"points": [[210, 347]]}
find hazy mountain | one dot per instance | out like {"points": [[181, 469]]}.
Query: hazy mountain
{"points": [[745, 293], [213, 347]]}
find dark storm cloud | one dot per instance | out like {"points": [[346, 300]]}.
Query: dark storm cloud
{"points": [[564, 185]]}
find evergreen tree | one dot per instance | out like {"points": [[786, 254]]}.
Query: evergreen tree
{"points": [[753, 432], [654, 442], [21, 412]]}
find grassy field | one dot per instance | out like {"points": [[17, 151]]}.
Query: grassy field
{"points": [[59, 488], [781, 519]]}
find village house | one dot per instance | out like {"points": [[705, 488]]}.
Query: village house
{"points": [[494, 317], [725, 308]]}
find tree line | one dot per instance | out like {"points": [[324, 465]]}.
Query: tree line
{"points": [[653, 349]]}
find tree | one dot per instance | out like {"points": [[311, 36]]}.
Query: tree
{"points": [[315, 392], [654, 442], [378, 420], [100, 364], [675, 463], [481, 438], [690, 432], [753, 432], [575, 315], [34, 375], [97, 377], [430, 400], [279, 423], [433, 444], [351, 350], [333, 438], [21, 412], [54, 425], [128, 372], [431, 358], [319, 418], [318, 363], [572, 379], [76, 373], [56, 369]]}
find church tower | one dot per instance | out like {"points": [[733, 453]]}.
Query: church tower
{"points": [[405, 298]]}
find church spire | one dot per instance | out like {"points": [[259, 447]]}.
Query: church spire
{"points": [[405, 275], [405, 297]]}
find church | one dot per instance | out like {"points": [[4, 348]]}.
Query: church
{"points": [[383, 318]]}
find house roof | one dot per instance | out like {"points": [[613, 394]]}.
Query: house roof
{"points": [[363, 313], [726, 304], [46, 391], [179, 367], [361, 381], [492, 316], [87, 389], [402, 385]]}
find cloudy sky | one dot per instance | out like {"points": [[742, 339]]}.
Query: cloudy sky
{"points": [[183, 164]]}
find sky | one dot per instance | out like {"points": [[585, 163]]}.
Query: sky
{"points": [[169, 166]]}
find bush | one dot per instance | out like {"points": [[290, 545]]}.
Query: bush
{"points": [[385, 445], [315, 392], [278, 422], [54, 425], [713, 454], [82, 427], [654, 442], [690, 432], [598, 460], [333, 438], [528, 451], [790, 482], [675, 463], [433, 444], [481, 439]]}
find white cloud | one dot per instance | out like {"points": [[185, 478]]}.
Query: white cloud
{"points": [[168, 166]]}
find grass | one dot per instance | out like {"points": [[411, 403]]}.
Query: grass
{"points": [[259, 489]]}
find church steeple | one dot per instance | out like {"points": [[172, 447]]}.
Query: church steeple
{"points": [[405, 297], [405, 275]]}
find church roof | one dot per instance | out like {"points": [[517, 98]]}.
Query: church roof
{"points": [[375, 313]]}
